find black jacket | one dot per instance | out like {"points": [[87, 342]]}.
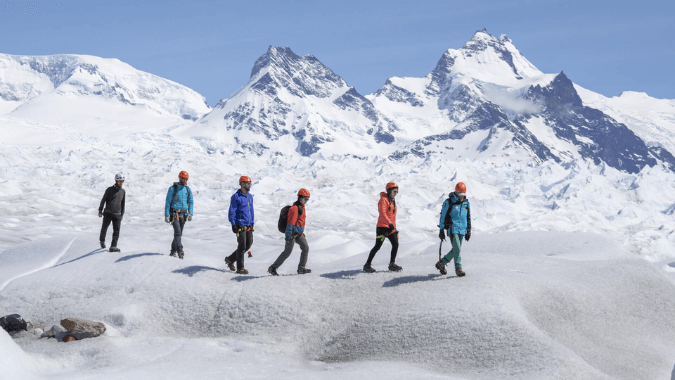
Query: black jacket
{"points": [[113, 199]]}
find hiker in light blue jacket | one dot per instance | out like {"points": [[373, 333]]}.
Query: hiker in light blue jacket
{"points": [[456, 219], [177, 209]]}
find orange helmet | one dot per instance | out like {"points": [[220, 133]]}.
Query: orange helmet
{"points": [[303, 193], [391, 185], [184, 174], [460, 187], [244, 179]]}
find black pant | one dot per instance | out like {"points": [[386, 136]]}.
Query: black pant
{"points": [[244, 243], [178, 225], [116, 222], [393, 238]]}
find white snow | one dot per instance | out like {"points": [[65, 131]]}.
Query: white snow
{"points": [[569, 269]]}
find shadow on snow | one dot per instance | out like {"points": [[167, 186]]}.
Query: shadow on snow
{"points": [[342, 275], [410, 279], [125, 258], [99, 250], [192, 270]]}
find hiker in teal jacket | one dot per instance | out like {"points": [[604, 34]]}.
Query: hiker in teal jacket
{"points": [[456, 219], [178, 209]]}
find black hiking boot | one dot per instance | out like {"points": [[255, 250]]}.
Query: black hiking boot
{"points": [[394, 268], [368, 268], [304, 271], [181, 254], [114, 249], [459, 272], [230, 264], [441, 267], [172, 254], [272, 271], [102, 245]]}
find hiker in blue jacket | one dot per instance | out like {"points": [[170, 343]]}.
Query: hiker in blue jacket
{"points": [[177, 209], [242, 218], [456, 219]]}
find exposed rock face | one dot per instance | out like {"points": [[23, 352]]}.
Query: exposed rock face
{"points": [[51, 333], [82, 329]]}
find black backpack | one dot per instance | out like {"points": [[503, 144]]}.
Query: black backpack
{"points": [[13, 322], [283, 219]]}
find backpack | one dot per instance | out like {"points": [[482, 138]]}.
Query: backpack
{"points": [[283, 219], [448, 219], [12, 323]]}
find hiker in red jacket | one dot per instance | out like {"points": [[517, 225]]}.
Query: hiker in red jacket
{"points": [[386, 228], [295, 233]]}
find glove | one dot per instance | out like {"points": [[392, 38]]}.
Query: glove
{"points": [[252, 227], [391, 227], [235, 228], [100, 215], [189, 218], [441, 235], [468, 235], [166, 219]]}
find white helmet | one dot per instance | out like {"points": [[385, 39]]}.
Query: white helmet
{"points": [[119, 177]]}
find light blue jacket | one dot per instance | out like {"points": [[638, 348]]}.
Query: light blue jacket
{"points": [[183, 200], [460, 215]]}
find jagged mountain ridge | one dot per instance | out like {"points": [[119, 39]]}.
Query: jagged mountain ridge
{"points": [[294, 104], [30, 85], [487, 88]]}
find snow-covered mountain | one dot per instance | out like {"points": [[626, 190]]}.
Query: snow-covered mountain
{"points": [[486, 99], [294, 104], [80, 88]]}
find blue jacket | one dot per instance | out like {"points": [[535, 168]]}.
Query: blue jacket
{"points": [[183, 200], [460, 215], [241, 209]]}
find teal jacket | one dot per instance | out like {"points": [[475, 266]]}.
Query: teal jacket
{"points": [[183, 199], [459, 218]]}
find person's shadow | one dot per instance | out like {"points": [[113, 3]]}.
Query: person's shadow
{"points": [[342, 275], [411, 279], [98, 250], [192, 270], [125, 258]]}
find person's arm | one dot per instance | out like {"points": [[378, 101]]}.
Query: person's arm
{"points": [[169, 197], [191, 202], [233, 209], [292, 221], [468, 216], [444, 211], [103, 200], [124, 197], [252, 211]]}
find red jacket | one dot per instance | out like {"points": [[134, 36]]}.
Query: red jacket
{"points": [[387, 210]]}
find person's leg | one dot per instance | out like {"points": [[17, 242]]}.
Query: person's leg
{"points": [[456, 241], [104, 227], [302, 242], [241, 248], [117, 223], [378, 245], [181, 224], [288, 248], [393, 238], [176, 245]]}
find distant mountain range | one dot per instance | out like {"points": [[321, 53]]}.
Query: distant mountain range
{"points": [[483, 101]]}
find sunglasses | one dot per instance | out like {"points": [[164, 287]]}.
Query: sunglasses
{"points": [[185, 178]]}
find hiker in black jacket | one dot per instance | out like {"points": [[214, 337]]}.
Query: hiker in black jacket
{"points": [[113, 200]]}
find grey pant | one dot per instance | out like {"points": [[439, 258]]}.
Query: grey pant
{"points": [[177, 244], [302, 242]]}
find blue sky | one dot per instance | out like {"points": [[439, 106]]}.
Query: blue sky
{"points": [[210, 46]]}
